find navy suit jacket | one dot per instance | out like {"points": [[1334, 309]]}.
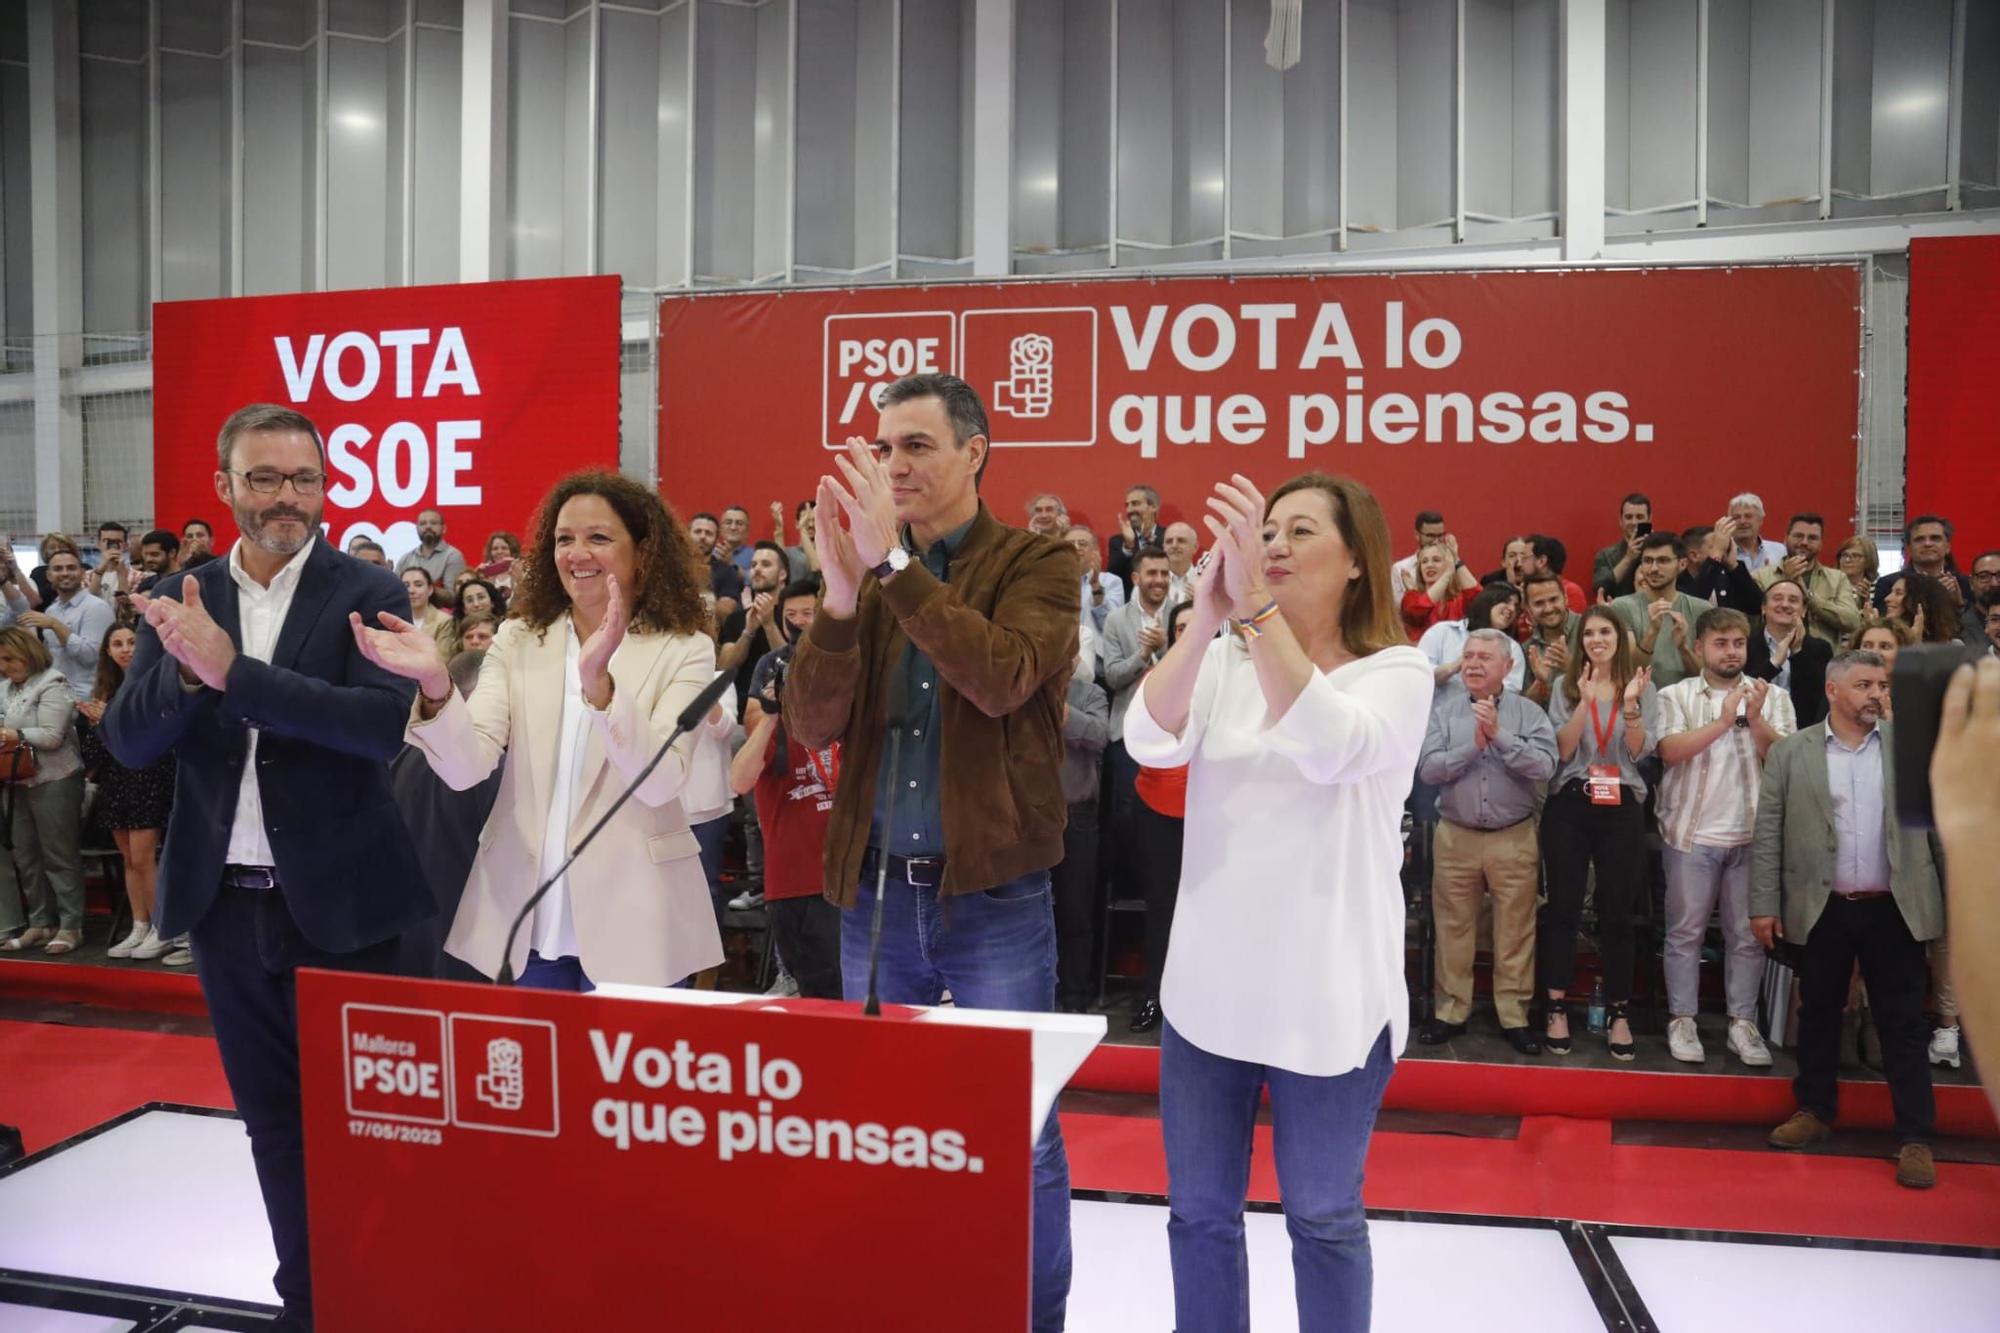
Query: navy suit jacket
{"points": [[329, 721]]}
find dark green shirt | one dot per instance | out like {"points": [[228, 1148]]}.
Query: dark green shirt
{"points": [[913, 808]]}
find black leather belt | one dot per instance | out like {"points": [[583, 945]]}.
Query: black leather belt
{"points": [[919, 872], [1863, 895], [250, 877]]}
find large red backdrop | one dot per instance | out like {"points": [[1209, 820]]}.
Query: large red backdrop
{"points": [[1953, 460], [1510, 401], [468, 399]]}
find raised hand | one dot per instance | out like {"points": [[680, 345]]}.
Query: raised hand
{"points": [[402, 649], [1917, 624], [1211, 591], [867, 497], [593, 662], [1538, 665], [840, 567], [1760, 690], [758, 612], [1680, 626], [1637, 685], [1237, 524], [1151, 638], [191, 636], [1486, 722], [1558, 656], [1655, 610]]}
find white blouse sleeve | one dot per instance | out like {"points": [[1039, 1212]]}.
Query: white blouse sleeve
{"points": [[1151, 744], [1373, 723]]}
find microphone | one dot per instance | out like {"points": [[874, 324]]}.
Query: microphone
{"points": [[689, 719]]}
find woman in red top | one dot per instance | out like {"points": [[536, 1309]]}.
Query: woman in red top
{"points": [[1156, 826], [1443, 581]]}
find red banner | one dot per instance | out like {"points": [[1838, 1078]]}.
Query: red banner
{"points": [[488, 1157], [470, 400], [1953, 459], [1510, 401]]}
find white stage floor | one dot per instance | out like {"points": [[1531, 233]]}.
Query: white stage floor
{"points": [[167, 1202]]}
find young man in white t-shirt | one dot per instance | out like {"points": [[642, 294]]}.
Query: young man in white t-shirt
{"points": [[1715, 729]]}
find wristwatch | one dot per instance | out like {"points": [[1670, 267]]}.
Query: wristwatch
{"points": [[896, 562], [1743, 721]]}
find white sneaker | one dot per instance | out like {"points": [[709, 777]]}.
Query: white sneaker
{"points": [[153, 946], [1683, 1042], [786, 987], [1748, 1043], [1944, 1046], [746, 901], [181, 955], [141, 932]]}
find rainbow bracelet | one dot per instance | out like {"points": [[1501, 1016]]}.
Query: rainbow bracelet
{"points": [[1254, 626]]}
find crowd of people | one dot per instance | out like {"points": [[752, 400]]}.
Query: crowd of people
{"points": [[1271, 703]]}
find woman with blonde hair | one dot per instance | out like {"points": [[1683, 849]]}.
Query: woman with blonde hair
{"points": [[1860, 564], [1285, 963], [603, 649], [43, 803]]}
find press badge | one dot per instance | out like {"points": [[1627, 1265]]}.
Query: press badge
{"points": [[1602, 785]]}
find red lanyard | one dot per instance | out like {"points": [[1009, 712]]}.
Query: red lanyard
{"points": [[1602, 732], [828, 770]]}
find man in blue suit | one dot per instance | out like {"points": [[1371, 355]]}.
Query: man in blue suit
{"points": [[286, 848]]}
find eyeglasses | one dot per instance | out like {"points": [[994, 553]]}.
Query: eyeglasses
{"points": [[269, 481]]}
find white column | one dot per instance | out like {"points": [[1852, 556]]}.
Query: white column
{"points": [[56, 241], [1582, 113], [993, 138], [482, 143]]}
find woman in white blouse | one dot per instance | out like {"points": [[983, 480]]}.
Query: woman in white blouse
{"points": [[580, 703], [1285, 969]]}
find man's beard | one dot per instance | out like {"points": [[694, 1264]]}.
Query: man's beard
{"points": [[253, 525], [1726, 672]]}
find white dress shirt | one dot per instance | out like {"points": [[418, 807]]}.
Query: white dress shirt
{"points": [[707, 794], [1767, 552], [554, 930], [261, 613], [1287, 947]]}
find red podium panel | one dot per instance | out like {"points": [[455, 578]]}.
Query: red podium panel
{"points": [[479, 1157]]}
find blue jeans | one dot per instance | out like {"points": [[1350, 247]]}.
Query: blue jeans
{"points": [[709, 835], [991, 950], [565, 973], [1319, 1130]]}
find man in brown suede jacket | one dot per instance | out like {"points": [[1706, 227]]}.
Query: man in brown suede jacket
{"points": [[940, 658]]}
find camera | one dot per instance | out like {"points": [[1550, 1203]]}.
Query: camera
{"points": [[1916, 693]]}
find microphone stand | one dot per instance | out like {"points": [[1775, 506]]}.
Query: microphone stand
{"points": [[690, 718]]}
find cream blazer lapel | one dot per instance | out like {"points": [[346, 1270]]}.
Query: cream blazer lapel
{"points": [[537, 719]]}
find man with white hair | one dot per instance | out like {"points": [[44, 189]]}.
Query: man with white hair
{"points": [[1048, 515], [1486, 751], [1752, 547]]}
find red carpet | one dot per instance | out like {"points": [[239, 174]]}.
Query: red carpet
{"points": [[106, 987], [1569, 1168], [56, 1081], [62, 1080], [1453, 1087]]}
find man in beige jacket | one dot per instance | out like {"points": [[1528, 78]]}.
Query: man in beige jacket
{"points": [[1837, 877]]}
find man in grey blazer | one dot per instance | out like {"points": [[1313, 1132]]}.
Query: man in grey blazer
{"points": [[1834, 874]]}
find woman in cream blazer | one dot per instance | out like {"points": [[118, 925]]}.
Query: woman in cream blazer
{"points": [[602, 651]]}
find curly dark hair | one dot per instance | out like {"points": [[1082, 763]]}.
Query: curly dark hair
{"points": [[670, 577]]}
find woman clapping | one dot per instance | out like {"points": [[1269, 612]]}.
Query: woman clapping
{"points": [[1285, 966], [603, 649]]}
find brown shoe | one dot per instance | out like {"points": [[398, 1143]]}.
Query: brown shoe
{"points": [[1916, 1169], [1803, 1130]]}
